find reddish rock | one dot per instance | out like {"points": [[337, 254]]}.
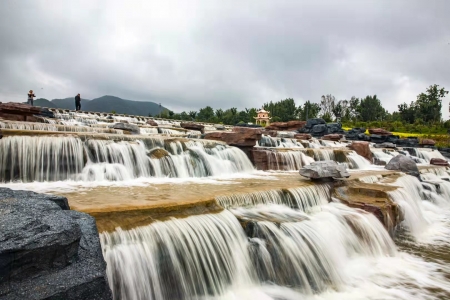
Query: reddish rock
{"points": [[240, 136], [286, 126], [18, 112], [379, 131], [362, 148], [152, 123], [439, 162], [193, 126], [215, 135], [427, 142], [303, 136], [332, 137]]}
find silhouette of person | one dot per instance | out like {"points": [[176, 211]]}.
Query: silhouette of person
{"points": [[77, 102]]}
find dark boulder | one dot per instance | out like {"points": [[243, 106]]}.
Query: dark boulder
{"points": [[310, 123], [47, 252], [377, 138], [404, 164], [319, 130], [324, 169]]}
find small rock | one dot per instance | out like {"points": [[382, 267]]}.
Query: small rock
{"points": [[134, 129], [152, 123], [428, 142], [332, 137], [379, 131], [193, 126], [439, 162], [324, 169], [386, 145]]}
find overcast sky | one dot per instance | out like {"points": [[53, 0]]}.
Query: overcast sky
{"points": [[189, 54]]}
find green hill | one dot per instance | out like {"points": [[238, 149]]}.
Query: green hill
{"points": [[69, 103], [105, 104], [42, 102]]}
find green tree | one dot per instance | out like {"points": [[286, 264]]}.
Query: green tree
{"points": [[371, 109], [309, 110], [429, 104], [285, 110], [206, 114], [407, 113]]}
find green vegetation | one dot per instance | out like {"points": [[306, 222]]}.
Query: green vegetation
{"points": [[423, 116]]}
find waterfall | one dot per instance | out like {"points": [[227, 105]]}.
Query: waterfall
{"points": [[287, 160], [357, 161], [151, 130], [48, 158], [268, 141], [209, 255], [180, 258], [55, 127], [428, 154], [305, 198], [409, 197], [370, 178]]}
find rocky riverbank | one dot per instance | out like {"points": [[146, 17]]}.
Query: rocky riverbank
{"points": [[48, 251]]}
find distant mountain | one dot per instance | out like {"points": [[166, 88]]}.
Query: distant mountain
{"points": [[106, 104], [69, 103], [43, 103]]}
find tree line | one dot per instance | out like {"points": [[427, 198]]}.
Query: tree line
{"points": [[425, 111]]}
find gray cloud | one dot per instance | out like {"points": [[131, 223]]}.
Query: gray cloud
{"points": [[188, 54]]}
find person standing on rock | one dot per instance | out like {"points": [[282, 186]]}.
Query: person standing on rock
{"points": [[77, 102], [31, 95]]}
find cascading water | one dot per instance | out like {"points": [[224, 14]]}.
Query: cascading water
{"points": [[55, 127], [197, 256], [428, 154], [305, 248], [60, 158], [268, 141]]}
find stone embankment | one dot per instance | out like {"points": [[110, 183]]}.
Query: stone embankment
{"points": [[48, 251]]}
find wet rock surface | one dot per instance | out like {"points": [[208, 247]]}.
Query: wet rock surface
{"points": [[372, 198], [134, 129], [48, 251], [324, 169], [404, 164]]}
